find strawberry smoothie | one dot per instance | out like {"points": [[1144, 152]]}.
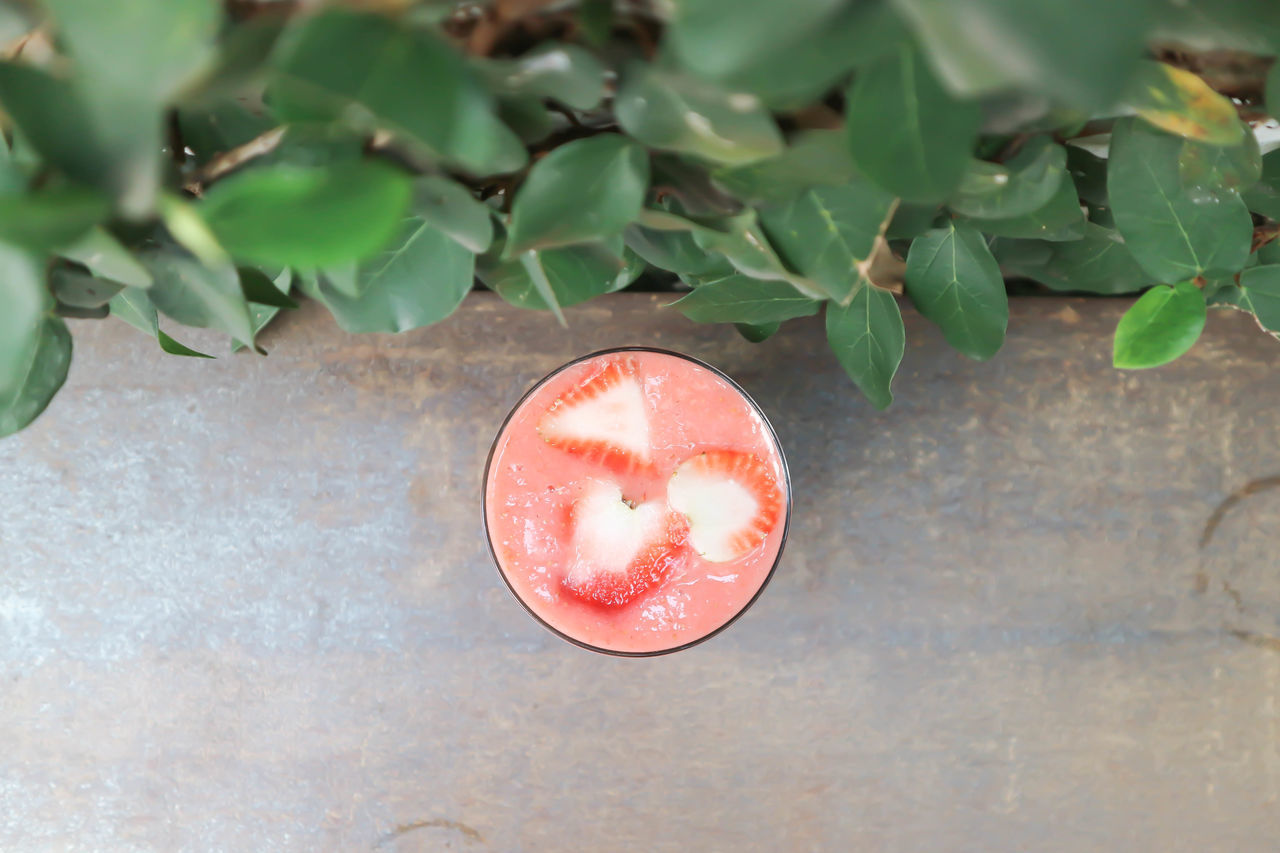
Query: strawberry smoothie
{"points": [[636, 501]]}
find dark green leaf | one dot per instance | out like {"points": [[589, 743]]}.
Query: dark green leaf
{"points": [[446, 112], [1073, 49], [1024, 184], [197, 295], [1272, 95], [911, 220], [1174, 232], [564, 72], [677, 113], [739, 299], [954, 281], [74, 312], [290, 216], [674, 251], [262, 315], [106, 258], [868, 339], [1260, 293], [582, 191], [258, 288], [828, 234], [39, 378], [1179, 102], [173, 347], [1089, 172], [528, 117], [421, 279], [1264, 196], [1163, 324], [451, 208], [574, 273], [47, 220], [1097, 263], [906, 132], [79, 289], [26, 303], [1061, 219], [817, 158], [757, 333], [216, 128], [715, 38]]}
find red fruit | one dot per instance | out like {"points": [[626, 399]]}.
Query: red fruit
{"points": [[731, 499], [602, 419], [621, 549]]}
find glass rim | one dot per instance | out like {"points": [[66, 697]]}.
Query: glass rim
{"points": [[786, 523]]}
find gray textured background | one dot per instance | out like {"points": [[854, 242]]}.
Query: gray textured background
{"points": [[247, 605]]}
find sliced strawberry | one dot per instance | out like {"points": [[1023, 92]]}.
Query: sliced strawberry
{"points": [[621, 549], [602, 419], [731, 499]]}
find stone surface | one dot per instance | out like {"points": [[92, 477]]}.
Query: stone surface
{"points": [[247, 605]]}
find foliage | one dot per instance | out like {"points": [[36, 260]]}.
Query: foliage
{"points": [[203, 163]]}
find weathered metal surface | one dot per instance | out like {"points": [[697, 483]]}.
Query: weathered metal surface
{"points": [[247, 605]]}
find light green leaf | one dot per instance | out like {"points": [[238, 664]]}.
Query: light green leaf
{"points": [[1097, 263], [574, 273], [1163, 324], [27, 303], [739, 299], [1174, 232], [106, 258], [677, 113], [816, 158], [1076, 50], [585, 190], [868, 339], [564, 72], [1230, 167], [674, 251], [133, 306], [1024, 184], [40, 377], [451, 208], [419, 280], [954, 281], [46, 220], [829, 234], [292, 216], [1179, 102], [905, 132], [1061, 219], [197, 295], [447, 112]]}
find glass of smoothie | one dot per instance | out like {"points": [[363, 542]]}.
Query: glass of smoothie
{"points": [[636, 501]]}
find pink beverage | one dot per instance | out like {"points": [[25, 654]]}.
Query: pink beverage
{"points": [[636, 501]]}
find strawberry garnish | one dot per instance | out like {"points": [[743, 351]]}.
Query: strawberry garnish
{"points": [[731, 499], [621, 549], [603, 419]]}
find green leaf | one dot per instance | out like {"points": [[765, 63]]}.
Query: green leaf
{"points": [[291, 216], [906, 132], [39, 378], [447, 112], [260, 316], [718, 37], [528, 117], [133, 306], [81, 290], [757, 333], [49, 219], [451, 208], [419, 280], [1089, 172], [27, 303], [1230, 167], [829, 234], [173, 347], [1272, 95], [911, 220], [1024, 184], [1264, 196], [815, 158], [564, 72], [1179, 102], [106, 258], [1260, 293], [1060, 219], [197, 295], [1076, 50], [954, 281], [584, 190], [739, 299], [868, 339], [1174, 232], [676, 113], [574, 273], [674, 251], [259, 289], [213, 129], [1097, 263], [1163, 324]]}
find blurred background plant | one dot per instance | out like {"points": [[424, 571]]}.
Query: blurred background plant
{"points": [[204, 163]]}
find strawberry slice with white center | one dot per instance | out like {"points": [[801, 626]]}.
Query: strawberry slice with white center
{"points": [[731, 499], [602, 419], [621, 549]]}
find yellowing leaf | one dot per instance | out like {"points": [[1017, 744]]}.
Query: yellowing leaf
{"points": [[1180, 102]]}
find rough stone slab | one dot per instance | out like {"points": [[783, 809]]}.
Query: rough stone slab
{"points": [[247, 605]]}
